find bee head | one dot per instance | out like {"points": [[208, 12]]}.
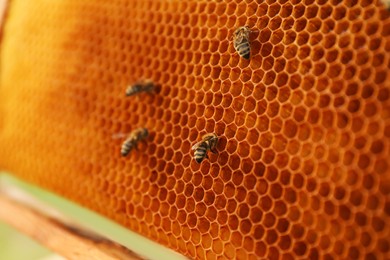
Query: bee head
{"points": [[145, 133]]}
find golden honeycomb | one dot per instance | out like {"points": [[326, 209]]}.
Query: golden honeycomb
{"points": [[303, 165]]}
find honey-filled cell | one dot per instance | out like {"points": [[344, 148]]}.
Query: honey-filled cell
{"points": [[301, 167]]}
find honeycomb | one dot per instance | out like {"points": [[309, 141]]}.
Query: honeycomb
{"points": [[303, 166]]}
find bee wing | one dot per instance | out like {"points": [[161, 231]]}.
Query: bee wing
{"points": [[119, 135], [148, 82], [208, 137], [195, 146], [234, 36]]}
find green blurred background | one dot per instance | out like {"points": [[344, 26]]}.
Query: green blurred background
{"points": [[15, 246]]}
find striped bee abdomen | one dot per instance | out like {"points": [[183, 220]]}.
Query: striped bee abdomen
{"points": [[134, 89], [140, 86], [133, 139], [201, 152], [127, 146], [243, 49], [208, 143]]}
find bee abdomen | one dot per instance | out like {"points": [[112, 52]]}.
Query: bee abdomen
{"points": [[132, 90], [243, 49], [200, 154], [127, 146], [141, 86]]}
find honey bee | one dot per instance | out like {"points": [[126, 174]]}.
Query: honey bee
{"points": [[140, 86], [208, 143], [241, 42], [133, 139]]}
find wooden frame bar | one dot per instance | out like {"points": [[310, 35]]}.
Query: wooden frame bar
{"points": [[67, 239]]}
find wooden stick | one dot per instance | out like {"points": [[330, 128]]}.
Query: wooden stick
{"points": [[68, 240], [3, 12]]}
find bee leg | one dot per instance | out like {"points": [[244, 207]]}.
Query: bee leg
{"points": [[213, 150]]}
